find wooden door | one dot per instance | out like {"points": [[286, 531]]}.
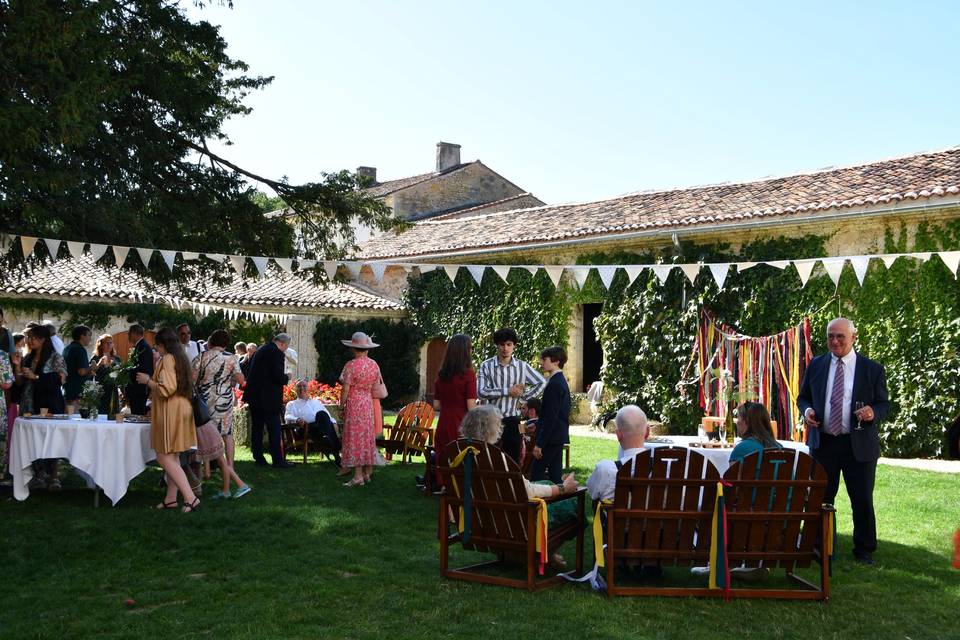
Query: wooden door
{"points": [[436, 349], [121, 343]]}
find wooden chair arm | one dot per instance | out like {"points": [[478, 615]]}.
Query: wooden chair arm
{"points": [[566, 496]]}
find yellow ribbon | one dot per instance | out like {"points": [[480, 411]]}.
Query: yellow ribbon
{"points": [[828, 535], [542, 533], [456, 463], [598, 554]]}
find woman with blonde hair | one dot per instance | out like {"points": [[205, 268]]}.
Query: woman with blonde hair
{"points": [[105, 358]]}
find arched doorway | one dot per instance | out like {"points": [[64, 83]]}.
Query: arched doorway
{"points": [[436, 348]]}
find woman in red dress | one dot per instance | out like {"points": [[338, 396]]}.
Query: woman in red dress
{"points": [[455, 393]]}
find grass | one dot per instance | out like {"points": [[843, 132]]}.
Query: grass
{"points": [[304, 557]]}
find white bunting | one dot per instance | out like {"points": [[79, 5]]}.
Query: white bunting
{"points": [[189, 255], [951, 259], [53, 246], [216, 257], [306, 264], [834, 267], [97, 251], [378, 268], [691, 271], [889, 259], [451, 270], [27, 244], [238, 263], [476, 270], [532, 269], [860, 265], [779, 264], [145, 256], [75, 248], [169, 257], [743, 266], [260, 262], [580, 274], [285, 263], [554, 273], [804, 269], [501, 271], [633, 271], [354, 268], [607, 275], [120, 254], [662, 271], [922, 257], [330, 267], [719, 272]]}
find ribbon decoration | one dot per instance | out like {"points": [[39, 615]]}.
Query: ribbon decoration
{"points": [[829, 537], [719, 562], [465, 457], [598, 554], [542, 524]]}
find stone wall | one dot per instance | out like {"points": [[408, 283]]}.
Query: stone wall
{"points": [[469, 186]]}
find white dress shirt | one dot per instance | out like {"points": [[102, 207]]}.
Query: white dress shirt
{"points": [[57, 344], [603, 480], [192, 349], [305, 410], [849, 368]]}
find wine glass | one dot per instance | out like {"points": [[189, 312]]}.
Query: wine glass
{"points": [[723, 431], [857, 406]]}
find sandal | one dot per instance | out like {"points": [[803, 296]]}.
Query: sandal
{"points": [[167, 505], [354, 483], [193, 506]]}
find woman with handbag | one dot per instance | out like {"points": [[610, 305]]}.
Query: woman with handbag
{"points": [[361, 383], [172, 426]]}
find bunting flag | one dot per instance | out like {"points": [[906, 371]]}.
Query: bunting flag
{"points": [[607, 274], [330, 267], [743, 266], [804, 269], [889, 259], [532, 269], [237, 262], [169, 257], [580, 275], [27, 244], [633, 271], [354, 268], [691, 271], [719, 272], [216, 257], [503, 271], [145, 256], [951, 259], [189, 255], [779, 264], [477, 272], [310, 264], [97, 251], [378, 268], [860, 265], [834, 267], [555, 273], [53, 246], [451, 271], [285, 263], [260, 263], [662, 271], [75, 248]]}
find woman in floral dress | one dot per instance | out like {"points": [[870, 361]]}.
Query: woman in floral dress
{"points": [[356, 404], [6, 381]]}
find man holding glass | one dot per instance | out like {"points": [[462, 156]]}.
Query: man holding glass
{"points": [[843, 398]]}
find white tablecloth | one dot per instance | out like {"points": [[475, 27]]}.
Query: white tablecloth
{"points": [[719, 457], [110, 454]]}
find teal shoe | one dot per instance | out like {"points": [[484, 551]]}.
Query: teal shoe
{"points": [[242, 491], [221, 496]]}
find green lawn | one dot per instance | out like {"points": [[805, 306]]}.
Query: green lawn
{"points": [[304, 557]]}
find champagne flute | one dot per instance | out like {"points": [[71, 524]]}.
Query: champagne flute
{"points": [[859, 405]]}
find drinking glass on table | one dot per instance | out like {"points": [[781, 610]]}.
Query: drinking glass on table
{"points": [[723, 431], [858, 406]]}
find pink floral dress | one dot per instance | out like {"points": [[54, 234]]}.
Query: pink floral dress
{"points": [[359, 438]]}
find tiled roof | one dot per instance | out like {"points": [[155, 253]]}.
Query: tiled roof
{"points": [[925, 176], [82, 278], [519, 201], [382, 189]]}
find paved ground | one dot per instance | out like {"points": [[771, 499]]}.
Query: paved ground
{"points": [[941, 466]]}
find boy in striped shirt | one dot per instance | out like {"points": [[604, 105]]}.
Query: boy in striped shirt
{"points": [[504, 381]]}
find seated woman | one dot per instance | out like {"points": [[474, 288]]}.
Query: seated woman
{"points": [[484, 424], [755, 431]]}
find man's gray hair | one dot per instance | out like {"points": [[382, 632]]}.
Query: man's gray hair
{"points": [[853, 327], [630, 419], [282, 337], [483, 423]]}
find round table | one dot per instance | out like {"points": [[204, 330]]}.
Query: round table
{"points": [[719, 457], [108, 453]]}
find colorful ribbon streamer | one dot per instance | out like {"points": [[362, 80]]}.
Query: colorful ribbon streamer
{"points": [[719, 562], [466, 509]]}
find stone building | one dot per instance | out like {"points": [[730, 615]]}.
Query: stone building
{"points": [[853, 206]]}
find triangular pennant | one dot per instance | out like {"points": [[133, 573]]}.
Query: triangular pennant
{"points": [[532, 269], [451, 270], [120, 254], [189, 255], [237, 262], [27, 244], [75, 248], [5, 241], [922, 257], [834, 267], [607, 275], [354, 268], [554, 273], [951, 259], [804, 269], [330, 267], [860, 265], [889, 259], [216, 257], [719, 272], [662, 271], [633, 271], [378, 268], [285, 263], [53, 246], [97, 251], [308, 264], [169, 257], [502, 271], [260, 263], [743, 266], [145, 256], [779, 264], [476, 270], [580, 274], [691, 271]]}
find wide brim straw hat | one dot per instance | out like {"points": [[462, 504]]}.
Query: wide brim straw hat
{"points": [[360, 340]]}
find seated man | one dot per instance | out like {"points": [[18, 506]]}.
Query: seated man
{"points": [[530, 412], [632, 430], [310, 413]]}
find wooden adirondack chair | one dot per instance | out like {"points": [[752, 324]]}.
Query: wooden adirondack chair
{"points": [[661, 514], [776, 518], [410, 432], [503, 520]]}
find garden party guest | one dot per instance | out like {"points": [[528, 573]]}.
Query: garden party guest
{"points": [[240, 350], [357, 408], [172, 429], [632, 431], [104, 360], [265, 379], [215, 373], [553, 428], [455, 393], [78, 365], [504, 381], [755, 431], [310, 414], [191, 347], [248, 359], [6, 383], [843, 398], [39, 378], [137, 394], [58, 345], [7, 344]]}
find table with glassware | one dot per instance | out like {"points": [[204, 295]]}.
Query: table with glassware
{"points": [[106, 453], [719, 456]]}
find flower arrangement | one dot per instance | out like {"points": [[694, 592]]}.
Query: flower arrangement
{"points": [[121, 373], [90, 397], [316, 390]]}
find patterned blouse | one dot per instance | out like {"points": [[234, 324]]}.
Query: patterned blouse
{"points": [[216, 370], [6, 377]]}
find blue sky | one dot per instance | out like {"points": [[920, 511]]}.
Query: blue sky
{"points": [[581, 101]]}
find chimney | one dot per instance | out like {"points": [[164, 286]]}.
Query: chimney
{"points": [[368, 172], [448, 156]]}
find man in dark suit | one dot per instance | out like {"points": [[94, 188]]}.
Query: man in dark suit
{"points": [[553, 429], [843, 398], [264, 393], [136, 393]]}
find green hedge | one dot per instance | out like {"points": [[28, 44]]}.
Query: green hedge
{"points": [[398, 356]]}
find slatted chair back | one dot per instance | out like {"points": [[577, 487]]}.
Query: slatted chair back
{"points": [[774, 509], [416, 420]]}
